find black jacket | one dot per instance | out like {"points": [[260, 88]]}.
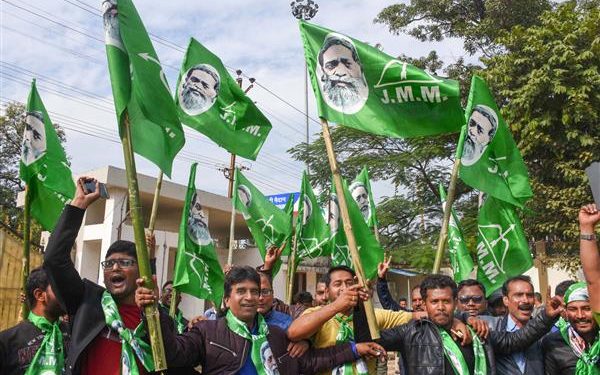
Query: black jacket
{"points": [[19, 344], [385, 297], [421, 345], [559, 358], [213, 345], [534, 358]]}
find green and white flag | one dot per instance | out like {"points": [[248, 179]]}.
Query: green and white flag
{"points": [[460, 259], [371, 253], [210, 101], [268, 224], [502, 248], [312, 231], [140, 89], [43, 166], [491, 161], [359, 86], [197, 268], [362, 194]]}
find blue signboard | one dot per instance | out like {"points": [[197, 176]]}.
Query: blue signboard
{"points": [[280, 200]]}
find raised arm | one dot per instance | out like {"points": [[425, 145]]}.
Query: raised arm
{"points": [[589, 216], [383, 292], [306, 325], [64, 278]]}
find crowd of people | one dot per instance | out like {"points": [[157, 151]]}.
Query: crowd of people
{"points": [[76, 326]]}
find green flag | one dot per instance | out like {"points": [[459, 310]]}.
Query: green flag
{"points": [[140, 89], [362, 194], [43, 166], [312, 231], [502, 249], [460, 259], [197, 268], [359, 86], [210, 101], [268, 224], [371, 253], [491, 161]]}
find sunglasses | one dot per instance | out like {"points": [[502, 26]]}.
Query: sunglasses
{"points": [[123, 263], [466, 299]]}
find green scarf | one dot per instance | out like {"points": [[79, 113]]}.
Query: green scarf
{"points": [[456, 359], [588, 359], [50, 357], [346, 334], [261, 354], [179, 323], [131, 341]]}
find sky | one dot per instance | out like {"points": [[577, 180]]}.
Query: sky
{"points": [[60, 43]]}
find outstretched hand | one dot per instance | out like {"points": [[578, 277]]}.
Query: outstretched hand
{"points": [[84, 198]]}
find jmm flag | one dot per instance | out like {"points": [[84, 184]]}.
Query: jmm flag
{"points": [[460, 258], [371, 253], [210, 101], [502, 248], [362, 194], [491, 161], [268, 225], [197, 268], [140, 89], [312, 231], [43, 166], [359, 86]]}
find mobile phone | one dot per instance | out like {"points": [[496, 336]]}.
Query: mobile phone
{"points": [[593, 172], [90, 187]]}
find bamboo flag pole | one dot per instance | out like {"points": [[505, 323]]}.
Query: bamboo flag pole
{"points": [[449, 200], [154, 213], [26, 247], [291, 269], [337, 179], [151, 311]]}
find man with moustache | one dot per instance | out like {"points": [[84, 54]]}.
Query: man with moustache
{"points": [[320, 295], [427, 345], [518, 297], [103, 337], [36, 345], [575, 349], [199, 89]]}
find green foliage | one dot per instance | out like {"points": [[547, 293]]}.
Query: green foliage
{"points": [[12, 125], [478, 22], [549, 83]]}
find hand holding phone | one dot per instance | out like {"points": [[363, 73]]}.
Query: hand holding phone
{"points": [[90, 187]]}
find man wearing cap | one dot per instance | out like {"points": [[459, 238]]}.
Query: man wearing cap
{"points": [[575, 349]]}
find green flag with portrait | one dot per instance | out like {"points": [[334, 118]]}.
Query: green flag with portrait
{"points": [[502, 248], [312, 231], [359, 86], [460, 258], [211, 102], [362, 194], [43, 166], [371, 252], [140, 89], [269, 225], [197, 268], [491, 161]]}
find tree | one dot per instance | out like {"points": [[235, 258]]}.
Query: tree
{"points": [[12, 126], [478, 22], [549, 82]]}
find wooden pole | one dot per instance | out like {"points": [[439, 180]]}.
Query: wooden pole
{"points": [[232, 220], [26, 247], [154, 212], [449, 200], [540, 264], [337, 179], [151, 311], [291, 270], [173, 305]]}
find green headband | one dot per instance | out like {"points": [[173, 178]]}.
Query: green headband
{"points": [[577, 292]]}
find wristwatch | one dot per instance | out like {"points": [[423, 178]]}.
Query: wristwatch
{"points": [[587, 237]]}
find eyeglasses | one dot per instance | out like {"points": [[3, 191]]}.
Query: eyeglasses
{"points": [[123, 263], [266, 292], [466, 299]]}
